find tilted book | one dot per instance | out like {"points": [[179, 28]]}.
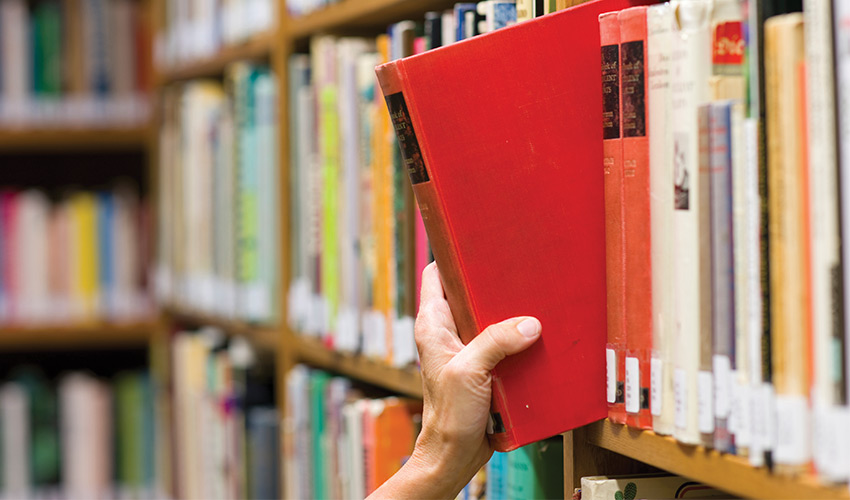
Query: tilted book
{"points": [[504, 150]]}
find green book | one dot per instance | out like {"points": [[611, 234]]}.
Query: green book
{"points": [[318, 384], [47, 49], [44, 427], [129, 393], [536, 470]]}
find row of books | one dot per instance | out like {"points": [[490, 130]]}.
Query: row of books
{"points": [[224, 428], [533, 471], [338, 442], [358, 243], [80, 256], [723, 123], [196, 29], [81, 437], [218, 247], [74, 63]]}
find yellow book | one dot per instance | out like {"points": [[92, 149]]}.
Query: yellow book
{"points": [[384, 215], [84, 226]]}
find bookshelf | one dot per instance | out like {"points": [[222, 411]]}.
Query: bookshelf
{"points": [[265, 337], [101, 335], [75, 139], [259, 47]]}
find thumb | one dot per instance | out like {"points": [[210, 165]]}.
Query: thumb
{"points": [[500, 340]]}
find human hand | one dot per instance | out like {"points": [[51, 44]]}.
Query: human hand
{"points": [[453, 444]]}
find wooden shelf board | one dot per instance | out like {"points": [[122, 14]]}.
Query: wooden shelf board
{"points": [[262, 336], [404, 381], [731, 474], [354, 14], [74, 138], [77, 335], [257, 48]]}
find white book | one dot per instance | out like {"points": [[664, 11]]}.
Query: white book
{"points": [[126, 259], [31, 270], [350, 51], [354, 460], [265, 92], [300, 464], [14, 428], [16, 59], [659, 21], [690, 62], [85, 433], [825, 242]]}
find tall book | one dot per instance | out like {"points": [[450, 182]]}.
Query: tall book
{"points": [[784, 52], [555, 274], [637, 216], [690, 61], [659, 21], [615, 266]]}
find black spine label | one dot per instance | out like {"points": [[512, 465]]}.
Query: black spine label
{"points": [[407, 139], [634, 100], [610, 91]]}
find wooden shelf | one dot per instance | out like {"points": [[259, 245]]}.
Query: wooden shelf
{"points": [[257, 48], [77, 335], [350, 15], [74, 139], [404, 381], [263, 336], [729, 473]]}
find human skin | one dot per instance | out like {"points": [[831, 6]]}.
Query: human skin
{"points": [[453, 444]]}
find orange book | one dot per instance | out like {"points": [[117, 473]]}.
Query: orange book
{"points": [[395, 436], [636, 219], [612, 144]]}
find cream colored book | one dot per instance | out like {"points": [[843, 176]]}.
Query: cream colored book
{"points": [[659, 21], [690, 63], [645, 486], [784, 53]]}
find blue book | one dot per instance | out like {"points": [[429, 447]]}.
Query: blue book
{"points": [[497, 477], [460, 18], [504, 14]]}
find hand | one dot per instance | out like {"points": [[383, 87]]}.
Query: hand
{"points": [[453, 444]]}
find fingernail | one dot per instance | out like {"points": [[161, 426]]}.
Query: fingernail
{"points": [[529, 327]]}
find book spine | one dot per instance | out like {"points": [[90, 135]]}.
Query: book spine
{"points": [[690, 61], [829, 400], [609, 33], [637, 221], [789, 353], [841, 34], [722, 272], [705, 376], [659, 36]]}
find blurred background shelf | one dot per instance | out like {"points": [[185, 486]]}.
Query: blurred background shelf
{"points": [[406, 381], [78, 335], [353, 15], [74, 139], [731, 473], [264, 336], [257, 48]]}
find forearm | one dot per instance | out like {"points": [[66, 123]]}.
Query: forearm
{"points": [[422, 477]]}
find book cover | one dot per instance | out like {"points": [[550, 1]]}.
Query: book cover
{"points": [[645, 486], [690, 62], [475, 200], [615, 265], [789, 343], [637, 215], [536, 470], [659, 25]]}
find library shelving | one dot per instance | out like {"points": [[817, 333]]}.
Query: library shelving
{"points": [[266, 337], [732, 474], [259, 47], [103, 335], [351, 15], [75, 139]]}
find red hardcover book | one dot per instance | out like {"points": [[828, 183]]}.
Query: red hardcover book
{"points": [[615, 265], [636, 245], [504, 149]]}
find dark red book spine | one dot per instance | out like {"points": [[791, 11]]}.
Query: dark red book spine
{"points": [[612, 145], [636, 203]]}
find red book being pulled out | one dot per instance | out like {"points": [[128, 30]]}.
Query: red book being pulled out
{"points": [[502, 137]]}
